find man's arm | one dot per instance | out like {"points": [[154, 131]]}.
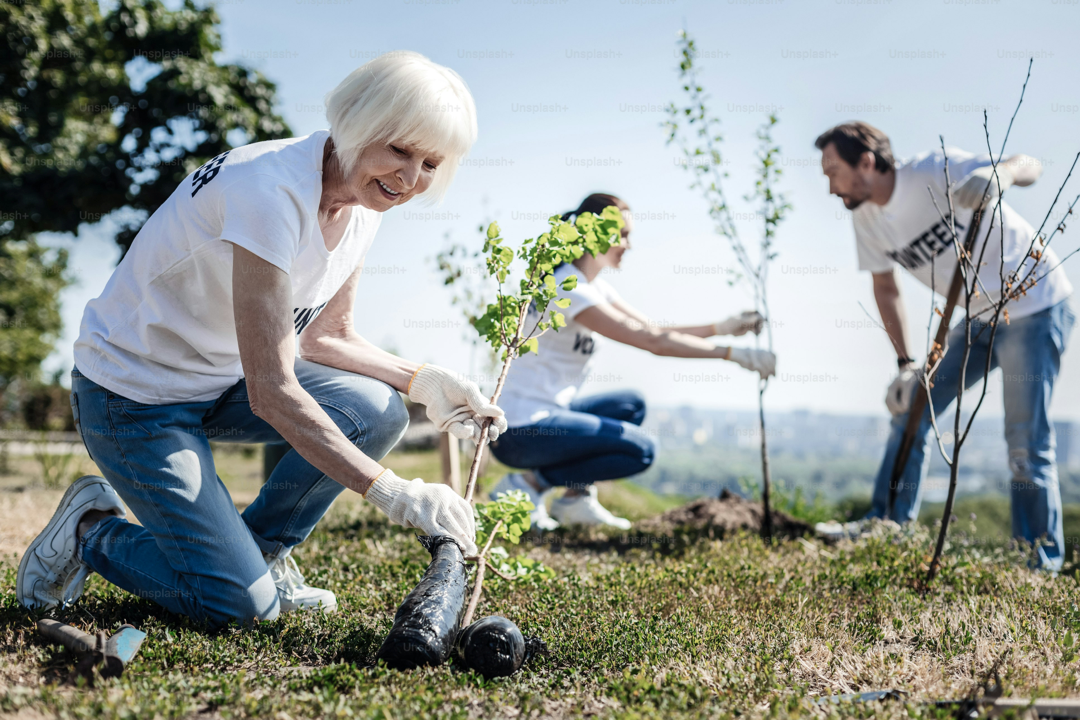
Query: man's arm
{"points": [[891, 307], [331, 339], [262, 306]]}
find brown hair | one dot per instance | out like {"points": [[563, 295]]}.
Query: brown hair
{"points": [[855, 138], [595, 204]]}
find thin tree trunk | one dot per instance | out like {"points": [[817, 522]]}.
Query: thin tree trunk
{"points": [[766, 474], [946, 516], [474, 469], [478, 584], [958, 441]]}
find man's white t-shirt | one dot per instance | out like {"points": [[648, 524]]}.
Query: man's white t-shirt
{"points": [[539, 383], [908, 231], [163, 329]]}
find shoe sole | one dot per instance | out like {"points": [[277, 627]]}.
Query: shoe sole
{"points": [[563, 523], [324, 608], [75, 488]]}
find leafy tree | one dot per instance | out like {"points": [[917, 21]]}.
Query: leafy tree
{"points": [[99, 110], [108, 109], [31, 278]]}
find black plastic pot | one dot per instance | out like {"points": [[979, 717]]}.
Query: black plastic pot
{"points": [[494, 647], [426, 623]]}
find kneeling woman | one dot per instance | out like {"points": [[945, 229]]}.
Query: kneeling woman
{"points": [[256, 255], [559, 439]]}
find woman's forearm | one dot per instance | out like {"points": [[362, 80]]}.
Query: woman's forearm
{"points": [[616, 325], [685, 345], [300, 420], [349, 351], [701, 331], [264, 334]]}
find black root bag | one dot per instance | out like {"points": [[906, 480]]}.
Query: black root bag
{"points": [[427, 622], [495, 647]]}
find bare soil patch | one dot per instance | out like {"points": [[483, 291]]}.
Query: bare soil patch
{"points": [[717, 517]]}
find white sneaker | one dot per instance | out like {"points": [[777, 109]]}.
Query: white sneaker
{"points": [[539, 517], [835, 532], [52, 572], [585, 510], [292, 592]]}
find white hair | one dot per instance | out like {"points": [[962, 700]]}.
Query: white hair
{"points": [[404, 97]]}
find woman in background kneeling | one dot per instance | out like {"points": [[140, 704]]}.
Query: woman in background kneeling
{"points": [[559, 439]]}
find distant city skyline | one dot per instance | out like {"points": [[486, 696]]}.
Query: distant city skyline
{"points": [[733, 439]]}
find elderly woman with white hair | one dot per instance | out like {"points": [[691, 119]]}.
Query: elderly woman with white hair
{"points": [[257, 254]]}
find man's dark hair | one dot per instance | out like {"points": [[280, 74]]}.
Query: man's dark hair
{"points": [[853, 139]]}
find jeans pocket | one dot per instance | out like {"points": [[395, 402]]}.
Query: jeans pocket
{"points": [[78, 423], [1062, 327], [75, 411]]}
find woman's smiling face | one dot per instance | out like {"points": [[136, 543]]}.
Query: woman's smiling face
{"points": [[390, 174]]}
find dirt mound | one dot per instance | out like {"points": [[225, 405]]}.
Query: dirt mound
{"points": [[720, 516]]}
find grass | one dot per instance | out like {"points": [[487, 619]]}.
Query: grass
{"points": [[645, 628]]}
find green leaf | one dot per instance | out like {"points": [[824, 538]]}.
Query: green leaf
{"points": [[569, 283], [562, 303], [566, 232], [493, 231]]}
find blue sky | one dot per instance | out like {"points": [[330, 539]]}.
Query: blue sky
{"points": [[605, 69]]}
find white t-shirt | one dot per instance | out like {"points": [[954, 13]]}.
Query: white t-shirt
{"points": [[549, 380], [163, 330], [907, 230]]}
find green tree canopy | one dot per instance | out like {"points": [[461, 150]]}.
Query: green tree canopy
{"points": [[31, 278], [102, 110]]}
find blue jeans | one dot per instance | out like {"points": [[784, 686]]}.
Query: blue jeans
{"points": [[1028, 351], [597, 438], [194, 553]]}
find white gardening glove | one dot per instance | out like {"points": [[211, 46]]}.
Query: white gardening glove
{"points": [[968, 191], [902, 389], [433, 509], [455, 404], [744, 322], [761, 361]]}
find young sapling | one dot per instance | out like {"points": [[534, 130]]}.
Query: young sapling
{"points": [[697, 133]]}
